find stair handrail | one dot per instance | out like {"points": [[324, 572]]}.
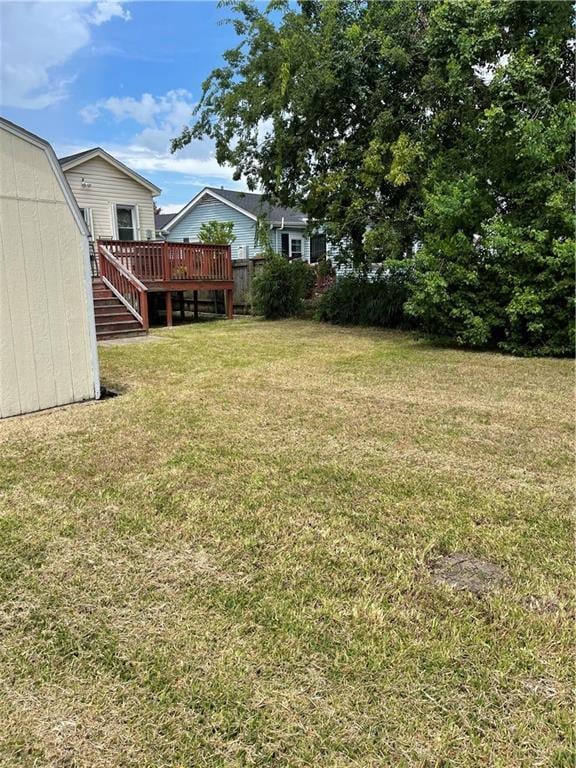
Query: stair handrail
{"points": [[109, 256], [106, 254]]}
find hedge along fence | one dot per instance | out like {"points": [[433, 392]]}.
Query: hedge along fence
{"points": [[366, 300], [280, 287], [244, 272]]}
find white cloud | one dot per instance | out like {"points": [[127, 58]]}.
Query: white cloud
{"points": [[37, 38], [145, 161], [170, 111], [156, 120], [106, 10], [172, 207], [160, 119]]}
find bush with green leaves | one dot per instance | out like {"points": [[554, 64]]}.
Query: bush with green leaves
{"points": [[496, 266], [280, 286], [360, 300], [217, 232]]}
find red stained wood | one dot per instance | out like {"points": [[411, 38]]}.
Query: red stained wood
{"points": [[136, 267], [173, 262], [229, 303], [125, 284], [168, 308], [190, 285]]}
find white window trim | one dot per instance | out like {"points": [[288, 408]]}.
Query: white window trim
{"points": [[135, 219], [301, 254], [89, 219]]}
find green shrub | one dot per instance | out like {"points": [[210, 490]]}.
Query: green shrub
{"points": [[217, 232], [280, 286], [356, 300], [324, 268]]}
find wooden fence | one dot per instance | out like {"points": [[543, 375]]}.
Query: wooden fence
{"points": [[243, 271]]}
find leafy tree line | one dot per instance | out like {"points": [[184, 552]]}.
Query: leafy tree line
{"points": [[435, 138]]}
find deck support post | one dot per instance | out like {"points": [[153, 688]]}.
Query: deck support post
{"points": [[168, 308], [229, 293], [195, 305]]}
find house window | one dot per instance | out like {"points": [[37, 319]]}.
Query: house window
{"points": [[317, 248], [125, 219], [296, 248], [285, 239], [87, 216], [185, 239]]}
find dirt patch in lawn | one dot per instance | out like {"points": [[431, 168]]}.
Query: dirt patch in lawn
{"points": [[463, 571]]}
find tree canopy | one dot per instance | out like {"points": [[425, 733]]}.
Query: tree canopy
{"points": [[217, 232], [434, 137]]}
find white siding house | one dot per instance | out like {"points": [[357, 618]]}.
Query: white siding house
{"points": [[48, 351], [287, 226], [116, 202]]}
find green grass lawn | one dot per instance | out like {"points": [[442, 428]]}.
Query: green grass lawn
{"points": [[229, 565]]}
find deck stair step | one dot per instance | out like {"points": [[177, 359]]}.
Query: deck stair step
{"points": [[109, 310], [113, 319], [120, 334]]}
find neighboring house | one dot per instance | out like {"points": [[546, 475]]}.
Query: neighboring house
{"points": [[48, 351], [116, 202], [287, 225]]}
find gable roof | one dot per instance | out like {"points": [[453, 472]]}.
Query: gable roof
{"points": [[41, 143], [71, 161], [252, 204], [161, 219], [69, 158], [256, 204]]}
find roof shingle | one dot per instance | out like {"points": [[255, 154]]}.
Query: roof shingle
{"points": [[68, 158], [161, 219], [255, 204]]}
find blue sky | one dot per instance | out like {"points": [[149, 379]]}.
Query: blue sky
{"points": [[121, 75]]}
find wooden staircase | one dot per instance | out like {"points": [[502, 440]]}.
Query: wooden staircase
{"points": [[113, 319]]}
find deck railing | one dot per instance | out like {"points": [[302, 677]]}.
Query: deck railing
{"points": [[153, 262], [123, 284]]}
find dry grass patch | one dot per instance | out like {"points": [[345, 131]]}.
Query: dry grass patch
{"points": [[229, 565]]}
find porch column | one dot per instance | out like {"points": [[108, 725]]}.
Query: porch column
{"points": [[168, 308], [195, 305], [229, 303]]}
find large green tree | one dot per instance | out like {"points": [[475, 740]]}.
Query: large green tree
{"points": [[318, 105], [435, 135], [496, 262]]}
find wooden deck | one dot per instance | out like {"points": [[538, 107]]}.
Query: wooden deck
{"points": [[133, 268]]}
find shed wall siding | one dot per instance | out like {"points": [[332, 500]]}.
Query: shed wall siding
{"points": [[110, 187], [210, 209], [45, 310]]}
